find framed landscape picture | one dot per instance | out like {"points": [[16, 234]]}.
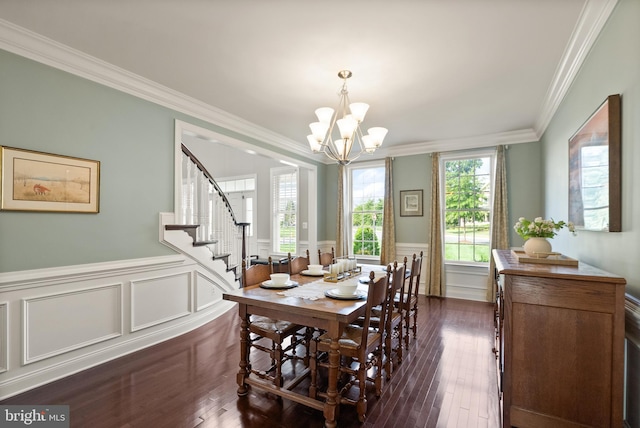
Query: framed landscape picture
{"points": [[36, 181], [410, 203]]}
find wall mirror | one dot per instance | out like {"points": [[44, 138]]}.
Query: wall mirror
{"points": [[594, 170]]}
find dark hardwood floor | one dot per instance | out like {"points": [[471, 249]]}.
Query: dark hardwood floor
{"points": [[447, 379]]}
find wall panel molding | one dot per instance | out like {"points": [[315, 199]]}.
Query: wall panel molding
{"points": [[4, 335], [58, 323], [207, 292], [160, 299], [467, 282]]}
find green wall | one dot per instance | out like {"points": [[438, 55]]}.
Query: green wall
{"points": [[524, 185], [612, 67], [52, 111], [47, 110], [412, 173]]}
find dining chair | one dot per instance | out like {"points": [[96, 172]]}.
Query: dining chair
{"points": [[325, 259], [276, 331], [298, 264], [410, 299], [360, 346], [394, 328]]}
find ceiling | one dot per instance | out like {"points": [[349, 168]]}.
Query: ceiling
{"points": [[437, 73]]}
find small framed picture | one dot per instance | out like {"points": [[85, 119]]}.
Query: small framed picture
{"points": [[36, 181], [411, 203]]}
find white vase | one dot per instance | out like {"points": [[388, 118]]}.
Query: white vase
{"points": [[537, 247]]}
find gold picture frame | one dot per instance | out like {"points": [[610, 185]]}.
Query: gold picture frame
{"points": [[37, 181], [411, 203]]}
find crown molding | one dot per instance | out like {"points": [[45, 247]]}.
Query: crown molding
{"points": [[449, 145], [593, 17], [28, 44]]}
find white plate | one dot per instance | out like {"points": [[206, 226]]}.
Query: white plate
{"points": [[269, 284], [307, 272], [334, 293]]}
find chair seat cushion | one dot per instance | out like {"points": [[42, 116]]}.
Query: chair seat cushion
{"points": [[266, 324], [350, 338]]}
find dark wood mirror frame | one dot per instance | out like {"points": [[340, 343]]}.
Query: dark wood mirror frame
{"points": [[602, 130]]}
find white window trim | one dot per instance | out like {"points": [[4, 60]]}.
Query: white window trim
{"points": [[466, 154], [279, 171], [348, 206]]}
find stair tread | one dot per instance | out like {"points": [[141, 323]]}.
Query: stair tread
{"points": [[203, 243]]}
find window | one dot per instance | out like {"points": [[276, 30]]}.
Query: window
{"points": [[240, 193], [366, 206], [284, 191], [467, 207]]}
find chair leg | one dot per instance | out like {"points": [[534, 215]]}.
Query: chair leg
{"points": [[308, 337], [388, 366], [407, 328], [378, 378], [415, 321], [361, 407], [400, 340], [277, 352]]}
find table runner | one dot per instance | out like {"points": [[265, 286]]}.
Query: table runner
{"points": [[315, 290]]}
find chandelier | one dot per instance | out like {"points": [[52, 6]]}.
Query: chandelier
{"points": [[348, 116]]}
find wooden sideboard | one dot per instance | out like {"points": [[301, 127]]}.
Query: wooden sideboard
{"points": [[559, 344]]}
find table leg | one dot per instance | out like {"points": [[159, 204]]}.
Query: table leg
{"points": [[245, 364], [331, 404]]}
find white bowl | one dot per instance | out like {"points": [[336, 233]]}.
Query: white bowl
{"points": [[279, 278], [315, 268], [347, 288]]}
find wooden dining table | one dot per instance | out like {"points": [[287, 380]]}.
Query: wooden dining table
{"points": [[331, 315]]}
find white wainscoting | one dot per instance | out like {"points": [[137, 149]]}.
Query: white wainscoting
{"points": [[59, 321], [148, 310], [4, 333], [208, 292], [408, 250], [467, 282]]}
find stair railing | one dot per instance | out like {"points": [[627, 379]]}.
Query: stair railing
{"points": [[203, 203]]}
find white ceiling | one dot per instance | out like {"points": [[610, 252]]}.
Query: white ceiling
{"points": [[436, 73]]}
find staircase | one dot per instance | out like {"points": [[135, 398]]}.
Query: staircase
{"points": [[206, 216]]}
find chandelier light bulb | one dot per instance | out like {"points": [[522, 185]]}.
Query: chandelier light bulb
{"points": [[324, 114], [319, 130], [378, 134], [369, 144], [315, 145], [358, 111], [347, 126]]}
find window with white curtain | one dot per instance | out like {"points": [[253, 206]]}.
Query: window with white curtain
{"points": [[467, 203], [284, 207]]}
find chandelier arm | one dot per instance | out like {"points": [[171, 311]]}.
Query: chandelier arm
{"points": [[358, 135]]}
